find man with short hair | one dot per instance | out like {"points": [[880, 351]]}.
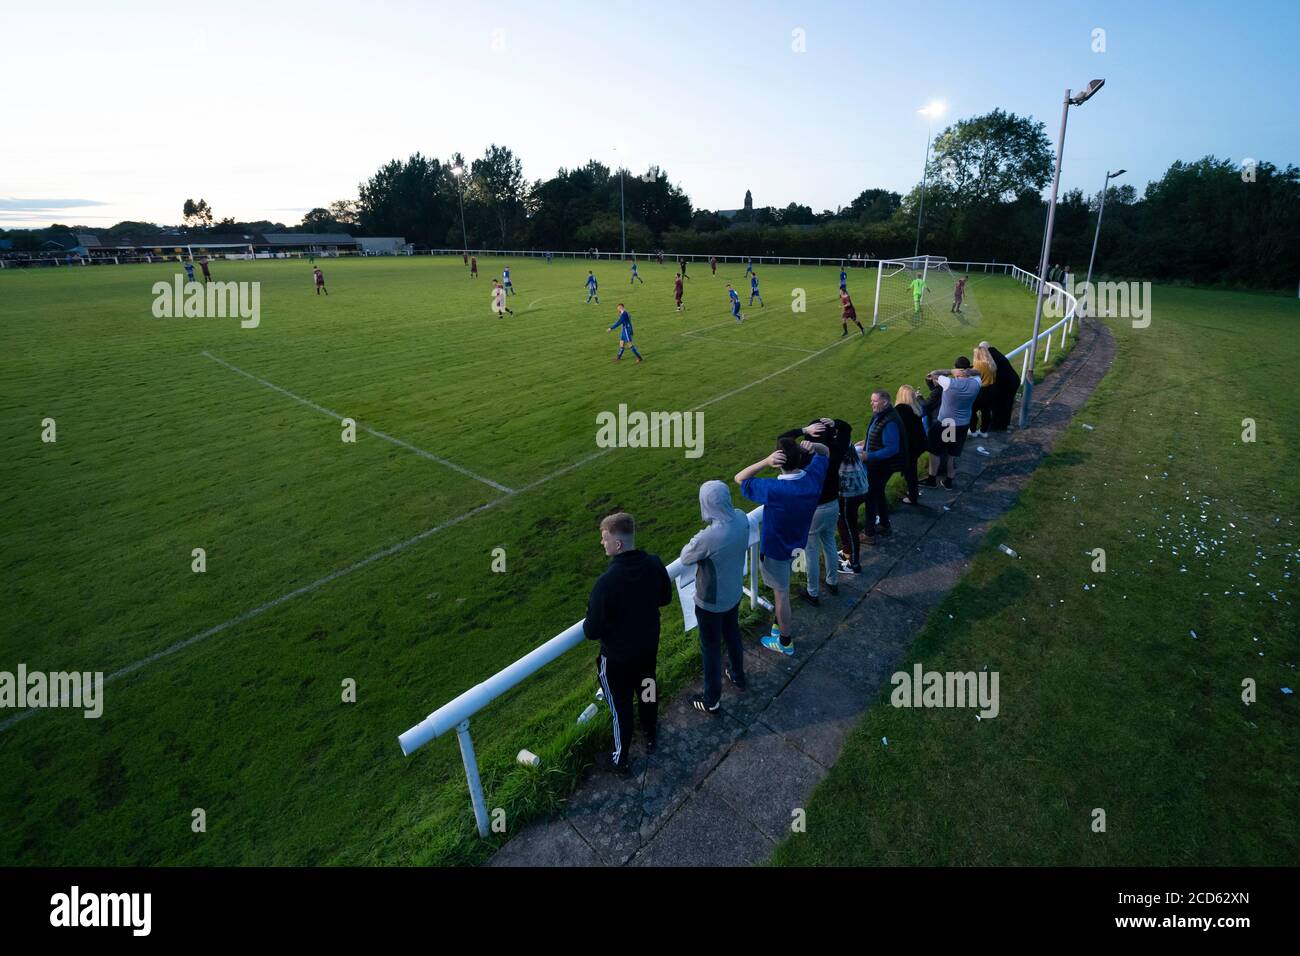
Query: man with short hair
{"points": [[623, 615], [885, 452], [677, 291], [958, 291], [788, 501], [734, 296], [948, 434]]}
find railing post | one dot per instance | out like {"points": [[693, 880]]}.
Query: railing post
{"points": [[471, 777], [1047, 349], [753, 575]]}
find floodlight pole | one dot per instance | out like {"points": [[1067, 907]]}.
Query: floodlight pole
{"points": [[464, 237], [1101, 207], [925, 169], [622, 217], [1027, 397]]}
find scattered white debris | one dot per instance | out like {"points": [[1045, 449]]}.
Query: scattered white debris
{"points": [[1088, 427], [1193, 633]]}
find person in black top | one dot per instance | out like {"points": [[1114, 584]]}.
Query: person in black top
{"points": [[623, 615], [908, 406], [1004, 389]]}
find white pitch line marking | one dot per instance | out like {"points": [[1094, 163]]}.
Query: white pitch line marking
{"points": [[364, 427]]}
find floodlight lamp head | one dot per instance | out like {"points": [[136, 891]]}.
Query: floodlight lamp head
{"points": [[1087, 94], [1116, 174]]}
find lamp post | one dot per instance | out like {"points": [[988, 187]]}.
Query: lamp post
{"points": [[622, 218], [1101, 207], [458, 171], [1069, 101], [931, 112]]}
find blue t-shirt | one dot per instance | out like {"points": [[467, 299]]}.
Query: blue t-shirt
{"points": [[844, 278], [788, 506], [735, 296], [625, 320], [753, 283], [591, 282]]}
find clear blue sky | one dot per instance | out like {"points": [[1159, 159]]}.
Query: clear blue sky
{"points": [[269, 109]]}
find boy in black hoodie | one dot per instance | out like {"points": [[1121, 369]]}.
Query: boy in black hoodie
{"points": [[623, 614]]}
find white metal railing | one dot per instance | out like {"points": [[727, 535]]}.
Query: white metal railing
{"points": [[457, 712]]}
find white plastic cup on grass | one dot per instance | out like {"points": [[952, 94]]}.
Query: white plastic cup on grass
{"points": [[587, 714], [529, 759]]}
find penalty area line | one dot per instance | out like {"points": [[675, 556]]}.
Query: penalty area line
{"points": [[364, 427]]}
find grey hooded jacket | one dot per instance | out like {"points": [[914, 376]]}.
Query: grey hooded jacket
{"points": [[718, 552]]}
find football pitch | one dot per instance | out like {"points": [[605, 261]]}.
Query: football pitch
{"points": [[376, 561]]}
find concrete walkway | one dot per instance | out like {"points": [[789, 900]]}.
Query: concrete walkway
{"points": [[720, 791]]}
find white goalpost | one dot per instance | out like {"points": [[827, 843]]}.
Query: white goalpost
{"points": [[903, 271]]}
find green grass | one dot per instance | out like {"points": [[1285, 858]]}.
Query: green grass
{"points": [[162, 450], [1107, 701]]}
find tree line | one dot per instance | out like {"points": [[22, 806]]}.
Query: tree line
{"points": [[1210, 221]]}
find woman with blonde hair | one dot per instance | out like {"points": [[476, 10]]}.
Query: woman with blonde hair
{"points": [[908, 405], [982, 412]]}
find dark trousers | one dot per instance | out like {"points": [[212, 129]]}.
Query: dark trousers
{"points": [[849, 527], [877, 478], [909, 475], [718, 628], [622, 682]]}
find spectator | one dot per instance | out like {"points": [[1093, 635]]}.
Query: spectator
{"points": [[789, 501], [948, 433], [623, 614], [834, 434], [718, 554], [885, 452], [1004, 388], [910, 412], [853, 495], [982, 410]]}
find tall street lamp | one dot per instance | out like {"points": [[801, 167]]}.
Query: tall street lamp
{"points": [[622, 217], [1077, 100], [1101, 207], [931, 113], [458, 171]]}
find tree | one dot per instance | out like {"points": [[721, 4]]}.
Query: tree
{"points": [[797, 215], [319, 220], [345, 212], [197, 214], [497, 183], [413, 199], [991, 158], [873, 205]]}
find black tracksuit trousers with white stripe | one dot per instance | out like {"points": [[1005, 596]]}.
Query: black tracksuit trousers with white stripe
{"points": [[624, 682]]}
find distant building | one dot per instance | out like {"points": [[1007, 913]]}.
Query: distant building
{"points": [[382, 246]]}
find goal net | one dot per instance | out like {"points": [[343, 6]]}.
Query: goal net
{"points": [[920, 291]]}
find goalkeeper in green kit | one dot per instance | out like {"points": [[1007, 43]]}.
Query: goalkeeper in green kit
{"points": [[918, 287]]}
